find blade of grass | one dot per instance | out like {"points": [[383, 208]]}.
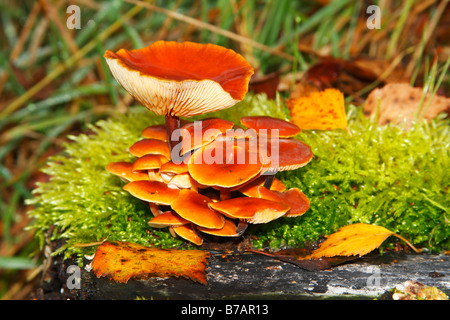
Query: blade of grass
{"points": [[59, 69], [16, 263], [325, 13], [212, 28], [432, 86], [393, 42]]}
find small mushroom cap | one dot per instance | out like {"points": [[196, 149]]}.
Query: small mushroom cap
{"points": [[252, 210], [193, 206], [158, 132], [251, 189], [198, 133], [150, 146], [187, 232], [284, 154], [167, 219], [181, 79], [152, 191], [264, 125], [175, 168], [149, 162], [171, 169], [125, 171], [297, 200], [228, 230], [224, 164]]}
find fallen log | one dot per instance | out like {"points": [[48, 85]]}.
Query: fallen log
{"points": [[239, 275]]}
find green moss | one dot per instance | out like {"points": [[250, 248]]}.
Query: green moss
{"points": [[380, 175]]}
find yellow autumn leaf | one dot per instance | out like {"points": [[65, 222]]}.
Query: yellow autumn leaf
{"points": [[355, 239], [322, 110], [120, 261]]}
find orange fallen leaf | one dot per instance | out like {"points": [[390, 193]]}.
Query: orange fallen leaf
{"points": [[323, 110], [120, 261], [355, 239]]}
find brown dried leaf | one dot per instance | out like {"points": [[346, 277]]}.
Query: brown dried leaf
{"points": [[398, 102]]}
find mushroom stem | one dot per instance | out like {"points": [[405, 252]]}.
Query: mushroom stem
{"points": [[269, 180], [241, 227], [225, 194], [172, 123]]}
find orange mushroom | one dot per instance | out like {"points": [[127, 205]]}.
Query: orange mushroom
{"points": [[193, 206], [252, 210], [152, 191], [150, 146], [158, 132], [170, 169], [125, 171], [181, 79], [187, 232], [269, 126], [198, 133], [251, 189], [167, 219], [225, 163], [297, 200], [149, 162], [228, 230], [281, 155]]}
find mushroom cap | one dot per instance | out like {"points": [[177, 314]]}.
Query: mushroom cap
{"points": [[193, 206], [150, 146], [149, 162], [251, 189], [181, 79], [158, 132], [124, 170], [171, 169], [284, 154], [228, 230], [167, 219], [297, 200], [152, 191], [198, 133], [252, 210], [264, 125], [187, 232], [225, 164]]}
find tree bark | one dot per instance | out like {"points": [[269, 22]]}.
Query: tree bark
{"points": [[252, 276]]}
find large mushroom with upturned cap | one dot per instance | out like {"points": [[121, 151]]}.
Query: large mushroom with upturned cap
{"points": [[181, 79]]}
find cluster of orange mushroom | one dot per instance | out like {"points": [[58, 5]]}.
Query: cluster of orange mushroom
{"points": [[211, 177]]}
